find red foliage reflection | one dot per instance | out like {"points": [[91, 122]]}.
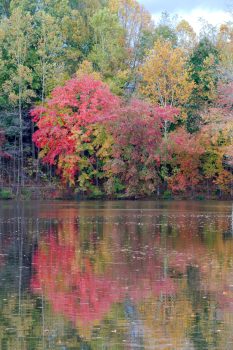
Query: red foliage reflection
{"points": [[72, 290], [70, 282]]}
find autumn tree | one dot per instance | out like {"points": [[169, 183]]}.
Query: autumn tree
{"points": [[86, 68], [217, 136], [65, 126], [165, 79], [225, 47], [185, 153], [217, 171], [45, 43], [186, 37], [133, 168]]}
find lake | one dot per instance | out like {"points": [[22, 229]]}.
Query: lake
{"points": [[116, 275]]}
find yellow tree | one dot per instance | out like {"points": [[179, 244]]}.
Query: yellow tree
{"points": [[165, 79], [186, 37], [225, 46], [86, 68], [216, 137]]}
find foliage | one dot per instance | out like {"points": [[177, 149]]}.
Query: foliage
{"points": [[216, 135], [165, 30], [135, 157], [184, 152], [193, 121], [6, 193], [165, 80], [137, 23], [225, 48], [203, 64], [167, 194], [46, 45], [186, 37], [65, 125], [108, 54]]}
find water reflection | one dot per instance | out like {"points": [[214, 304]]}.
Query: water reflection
{"points": [[123, 275]]}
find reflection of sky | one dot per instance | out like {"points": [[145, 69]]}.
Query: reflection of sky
{"points": [[213, 11]]}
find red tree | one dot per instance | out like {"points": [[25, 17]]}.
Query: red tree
{"points": [[64, 122], [185, 152], [137, 133]]}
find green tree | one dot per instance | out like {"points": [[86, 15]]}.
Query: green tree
{"points": [[48, 66], [166, 29], [203, 65], [5, 8], [17, 86], [109, 51]]}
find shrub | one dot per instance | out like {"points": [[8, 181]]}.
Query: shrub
{"points": [[167, 194], [6, 193]]}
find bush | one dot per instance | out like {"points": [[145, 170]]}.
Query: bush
{"points": [[26, 193], [167, 195], [200, 197], [95, 194], [6, 193]]}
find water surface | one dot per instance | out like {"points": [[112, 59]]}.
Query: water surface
{"points": [[116, 275]]}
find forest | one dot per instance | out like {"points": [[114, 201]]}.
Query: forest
{"points": [[98, 101]]}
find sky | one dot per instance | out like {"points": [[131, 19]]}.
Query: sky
{"points": [[213, 11]]}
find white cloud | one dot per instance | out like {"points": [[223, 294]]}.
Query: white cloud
{"points": [[214, 17]]}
